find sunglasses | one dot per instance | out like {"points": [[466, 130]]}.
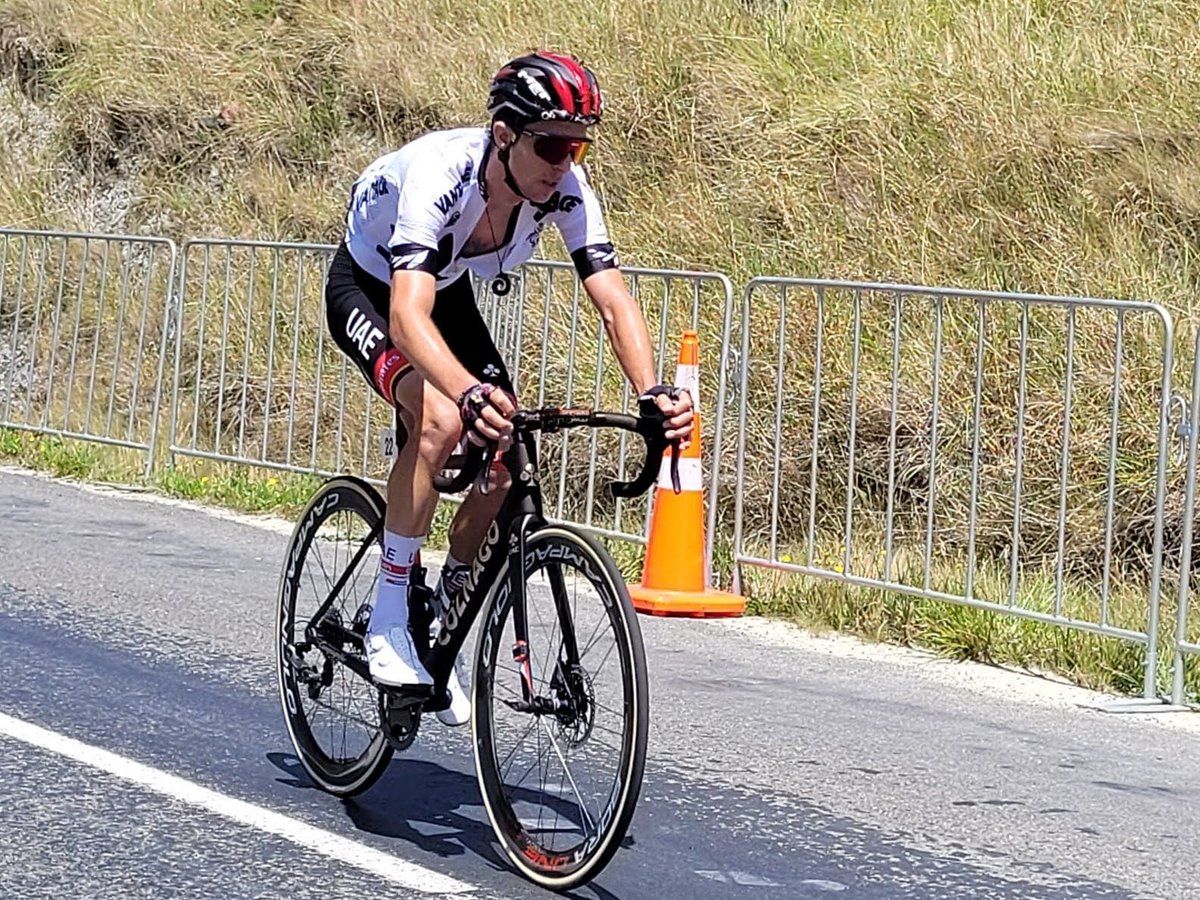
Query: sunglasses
{"points": [[555, 148]]}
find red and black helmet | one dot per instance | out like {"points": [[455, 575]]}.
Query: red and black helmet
{"points": [[544, 86]]}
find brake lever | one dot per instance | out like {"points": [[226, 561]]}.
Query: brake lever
{"points": [[675, 482], [653, 417], [485, 469]]}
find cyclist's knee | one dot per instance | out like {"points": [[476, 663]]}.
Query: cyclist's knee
{"points": [[441, 429]]}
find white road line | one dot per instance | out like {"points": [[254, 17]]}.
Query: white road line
{"points": [[398, 871]]}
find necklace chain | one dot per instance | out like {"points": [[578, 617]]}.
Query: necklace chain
{"points": [[501, 284]]}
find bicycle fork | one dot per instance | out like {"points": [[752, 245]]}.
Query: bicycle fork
{"points": [[520, 612], [568, 655]]}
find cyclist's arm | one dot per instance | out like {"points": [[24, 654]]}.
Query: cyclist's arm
{"points": [[625, 326], [627, 331], [412, 331], [581, 223]]}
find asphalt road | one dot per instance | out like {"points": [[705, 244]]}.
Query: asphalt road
{"points": [[143, 754]]}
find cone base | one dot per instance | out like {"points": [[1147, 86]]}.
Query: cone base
{"points": [[704, 604]]}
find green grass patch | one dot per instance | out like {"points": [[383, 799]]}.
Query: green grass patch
{"points": [[985, 635], [240, 488], [63, 457]]}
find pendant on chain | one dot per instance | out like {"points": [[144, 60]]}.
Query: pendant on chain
{"points": [[501, 285]]}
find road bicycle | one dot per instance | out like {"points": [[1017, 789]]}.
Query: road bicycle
{"points": [[559, 694]]}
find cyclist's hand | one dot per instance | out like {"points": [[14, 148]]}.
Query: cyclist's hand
{"points": [[676, 406], [486, 412]]}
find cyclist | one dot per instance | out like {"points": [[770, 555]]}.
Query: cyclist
{"points": [[399, 303]]}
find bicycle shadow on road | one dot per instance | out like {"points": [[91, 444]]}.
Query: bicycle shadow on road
{"points": [[433, 808], [413, 798]]}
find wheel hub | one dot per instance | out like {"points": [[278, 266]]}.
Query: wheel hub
{"points": [[575, 705]]}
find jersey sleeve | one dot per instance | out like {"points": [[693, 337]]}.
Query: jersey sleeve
{"points": [[428, 196], [582, 227]]}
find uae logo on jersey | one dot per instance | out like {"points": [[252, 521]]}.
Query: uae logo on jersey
{"points": [[556, 203]]}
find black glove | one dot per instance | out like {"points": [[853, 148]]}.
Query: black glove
{"points": [[471, 404], [649, 410], [648, 403]]}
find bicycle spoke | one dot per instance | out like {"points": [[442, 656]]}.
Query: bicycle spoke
{"points": [[516, 670], [551, 629], [537, 758], [559, 793], [563, 762], [592, 638], [320, 558], [543, 767], [595, 672], [508, 691], [508, 759], [608, 709]]}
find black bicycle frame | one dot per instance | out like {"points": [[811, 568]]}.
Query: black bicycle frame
{"points": [[519, 514]]}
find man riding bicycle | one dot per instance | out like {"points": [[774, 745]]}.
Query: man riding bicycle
{"points": [[399, 303]]}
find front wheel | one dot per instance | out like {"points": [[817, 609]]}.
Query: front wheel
{"points": [[560, 764]]}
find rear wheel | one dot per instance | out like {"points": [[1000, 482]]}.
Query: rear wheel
{"points": [[332, 715], [560, 775]]}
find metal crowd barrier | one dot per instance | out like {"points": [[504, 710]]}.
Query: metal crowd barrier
{"points": [[83, 335], [1186, 644], [877, 435], [913, 436], [257, 379]]}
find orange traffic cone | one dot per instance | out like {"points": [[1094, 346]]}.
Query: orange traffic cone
{"points": [[675, 574]]}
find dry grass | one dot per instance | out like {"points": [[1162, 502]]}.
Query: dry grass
{"points": [[1003, 145]]}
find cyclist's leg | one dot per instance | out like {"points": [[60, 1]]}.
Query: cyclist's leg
{"points": [[467, 335], [434, 426], [356, 308]]}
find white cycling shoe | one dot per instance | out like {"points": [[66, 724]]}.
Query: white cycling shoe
{"points": [[459, 710], [392, 657]]}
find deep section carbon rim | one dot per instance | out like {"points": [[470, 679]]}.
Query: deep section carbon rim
{"points": [[332, 715], [561, 774]]}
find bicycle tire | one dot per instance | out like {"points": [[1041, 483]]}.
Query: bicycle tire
{"points": [[563, 869], [342, 776]]}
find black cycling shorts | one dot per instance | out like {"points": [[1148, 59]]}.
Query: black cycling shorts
{"points": [[356, 308]]}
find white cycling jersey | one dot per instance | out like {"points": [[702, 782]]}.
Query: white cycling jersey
{"points": [[415, 208]]}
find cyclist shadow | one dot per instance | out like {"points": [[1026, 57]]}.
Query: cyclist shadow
{"points": [[429, 806], [436, 809], [414, 801]]}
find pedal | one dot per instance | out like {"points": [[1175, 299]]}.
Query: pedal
{"points": [[408, 695], [438, 702], [401, 718]]}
